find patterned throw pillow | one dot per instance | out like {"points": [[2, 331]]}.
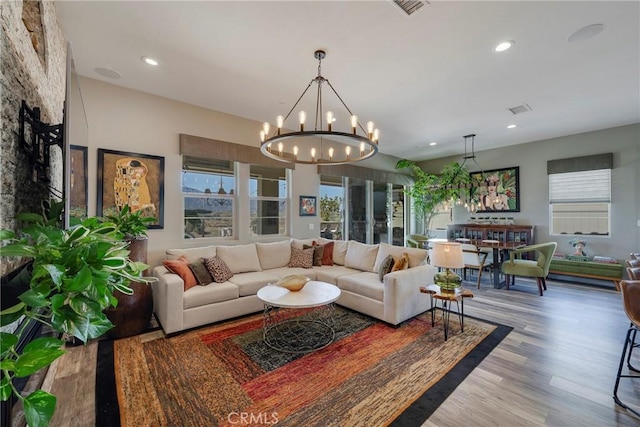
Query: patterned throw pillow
{"points": [[318, 252], [385, 267], [180, 267], [201, 273], [301, 258], [327, 255], [402, 263], [218, 269]]}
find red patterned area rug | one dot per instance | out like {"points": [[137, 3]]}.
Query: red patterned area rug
{"points": [[373, 374]]}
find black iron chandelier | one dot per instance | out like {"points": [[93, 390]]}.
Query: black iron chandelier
{"points": [[322, 144]]}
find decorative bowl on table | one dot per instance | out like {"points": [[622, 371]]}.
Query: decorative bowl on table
{"points": [[294, 282]]}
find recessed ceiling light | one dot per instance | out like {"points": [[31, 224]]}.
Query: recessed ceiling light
{"points": [[585, 33], [511, 126], [108, 72], [150, 61], [502, 46], [433, 143]]}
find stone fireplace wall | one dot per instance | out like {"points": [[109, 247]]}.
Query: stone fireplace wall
{"points": [[32, 67]]}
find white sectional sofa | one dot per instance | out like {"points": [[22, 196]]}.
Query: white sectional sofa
{"points": [[355, 271]]}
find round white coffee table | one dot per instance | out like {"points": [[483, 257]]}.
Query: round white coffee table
{"points": [[294, 332]]}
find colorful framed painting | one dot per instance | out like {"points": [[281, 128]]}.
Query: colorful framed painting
{"points": [[78, 192], [131, 179], [307, 206], [497, 190]]}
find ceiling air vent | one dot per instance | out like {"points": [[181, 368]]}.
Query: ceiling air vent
{"points": [[520, 109], [410, 6]]}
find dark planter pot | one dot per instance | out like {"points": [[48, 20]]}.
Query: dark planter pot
{"points": [[133, 313]]}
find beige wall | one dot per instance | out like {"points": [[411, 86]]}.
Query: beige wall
{"points": [[128, 120], [623, 142]]}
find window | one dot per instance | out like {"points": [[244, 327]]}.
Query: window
{"points": [[268, 202], [441, 218], [208, 192], [331, 208], [580, 201]]}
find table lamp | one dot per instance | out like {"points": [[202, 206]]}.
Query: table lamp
{"points": [[447, 255]]}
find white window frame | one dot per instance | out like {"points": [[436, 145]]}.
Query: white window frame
{"points": [[280, 200]]}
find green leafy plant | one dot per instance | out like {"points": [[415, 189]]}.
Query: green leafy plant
{"points": [[430, 191], [74, 275], [131, 224], [330, 208]]}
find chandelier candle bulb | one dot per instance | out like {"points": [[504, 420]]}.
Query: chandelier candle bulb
{"points": [[313, 154], [329, 120], [295, 151], [279, 123], [354, 124], [376, 134], [266, 126], [347, 150], [330, 154], [370, 129], [361, 148], [280, 147], [302, 116]]}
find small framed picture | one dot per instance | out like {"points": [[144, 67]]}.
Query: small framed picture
{"points": [[307, 206]]}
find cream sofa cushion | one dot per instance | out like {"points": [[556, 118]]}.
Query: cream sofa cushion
{"points": [[251, 283], [240, 258], [366, 284], [360, 256], [199, 296], [192, 254], [416, 256], [274, 255]]}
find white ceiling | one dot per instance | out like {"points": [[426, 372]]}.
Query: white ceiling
{"points": [[431, 76]]}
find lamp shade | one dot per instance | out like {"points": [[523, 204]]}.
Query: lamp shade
{"points": [[447, 255]]}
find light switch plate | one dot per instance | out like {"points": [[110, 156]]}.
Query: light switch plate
{"points": [[311, 226]]}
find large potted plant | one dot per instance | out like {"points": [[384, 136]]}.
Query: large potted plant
{"points": [[132, 314], [430, 191], [74, 275]]}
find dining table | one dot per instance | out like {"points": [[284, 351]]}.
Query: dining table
{"points": [[500, 251]]}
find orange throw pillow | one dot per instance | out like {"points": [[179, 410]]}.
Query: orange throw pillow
{"points": [[327, 255], [180, 267], [402, 263]]}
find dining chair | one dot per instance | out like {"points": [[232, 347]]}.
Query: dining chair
{"points": [[539, 268], [633, 263], [630, 290], [634, 273], [416, 240], [474, 259]]}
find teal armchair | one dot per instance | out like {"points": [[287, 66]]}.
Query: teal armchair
{"points": [[539, 269]]}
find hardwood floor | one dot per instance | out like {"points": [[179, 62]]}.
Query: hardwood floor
{"points": [[557, 367]]}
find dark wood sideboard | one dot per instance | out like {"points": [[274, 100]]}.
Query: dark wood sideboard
{"points": [[507, 234]]}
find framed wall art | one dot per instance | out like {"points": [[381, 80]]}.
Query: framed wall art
{"points": [[131, 179], [307, 206], [497, 190], [78, 191]]}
